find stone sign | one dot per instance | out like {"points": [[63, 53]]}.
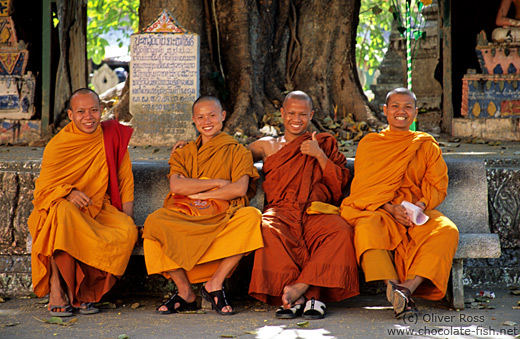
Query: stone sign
{"points": [[164, 82]]}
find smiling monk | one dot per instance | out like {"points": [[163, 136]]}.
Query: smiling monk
{"points": [[308, 256], [393, 166], [82, 223], [205, 226]]}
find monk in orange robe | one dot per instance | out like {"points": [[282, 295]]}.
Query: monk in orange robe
{"points": [[308, 256], [393, 166], [82, 223], [205, 226]]}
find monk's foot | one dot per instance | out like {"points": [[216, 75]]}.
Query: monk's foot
{"points": [[88, 308], [177, 301], [178, 304], [61, 311], [218, 300], [293, 294], [401, 299]]}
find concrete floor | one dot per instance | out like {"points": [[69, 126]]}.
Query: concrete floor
{"points": [[365, 316]]}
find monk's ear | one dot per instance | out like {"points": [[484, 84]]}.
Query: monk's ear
{"points": [[312, 114], [384, 109], [69, 113], [223, 115]]}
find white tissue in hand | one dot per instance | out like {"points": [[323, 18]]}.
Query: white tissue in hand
{"points": [[415, 213]]}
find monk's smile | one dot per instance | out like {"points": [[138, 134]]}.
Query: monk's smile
{"points": [[400, 111]]}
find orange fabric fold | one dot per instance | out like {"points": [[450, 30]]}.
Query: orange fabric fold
{"points": [[391, 167], [100, 235], [313, 249], [182, 231]]}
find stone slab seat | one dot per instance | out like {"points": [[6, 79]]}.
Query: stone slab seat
{"points": [[466, 205]]}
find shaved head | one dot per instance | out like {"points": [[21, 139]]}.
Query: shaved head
{"points": [[402, 91], [298, 95], [206, 98]]}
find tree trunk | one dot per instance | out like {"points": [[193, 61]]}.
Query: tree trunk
{"points": [[253, 52], [72, 68]]}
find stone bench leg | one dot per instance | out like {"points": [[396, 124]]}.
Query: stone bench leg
{"points": [[456, 297]]}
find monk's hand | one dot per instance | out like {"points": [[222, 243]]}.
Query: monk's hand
{"points": [[179, 144], [312, 148], [421, 205], [221, 182], [79, 199], [196, 196], [399, 214]]}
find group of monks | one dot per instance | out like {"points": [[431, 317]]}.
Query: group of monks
{"points": [[308, 242]]}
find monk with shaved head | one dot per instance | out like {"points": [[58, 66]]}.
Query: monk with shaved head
{"points": [[205, 226], [82, 223], [400, 238], [308, 256]]}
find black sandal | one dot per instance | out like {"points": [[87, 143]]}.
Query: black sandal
{"points": [[183, 305], [221, 300], [401, 299]]}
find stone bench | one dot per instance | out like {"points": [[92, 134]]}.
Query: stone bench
{"points": [[465, 205]]}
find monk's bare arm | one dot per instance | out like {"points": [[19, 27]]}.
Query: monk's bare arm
{"points": [[227, 192], [502, 19], [128, 208], [257, 148], [186, 186]]}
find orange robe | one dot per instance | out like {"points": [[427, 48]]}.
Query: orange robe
{"points": [[90, 245], [196, 234], [315, 249], [391, 167]]}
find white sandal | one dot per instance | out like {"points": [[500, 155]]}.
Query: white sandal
{"points": [[314, 309]]}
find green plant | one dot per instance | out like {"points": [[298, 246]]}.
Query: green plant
{"points": [[106, 15], [375, 20]]}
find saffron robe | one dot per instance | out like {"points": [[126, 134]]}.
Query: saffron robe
{"points": [[180, 236], [300, 247], [90, 245], [393, 166]]}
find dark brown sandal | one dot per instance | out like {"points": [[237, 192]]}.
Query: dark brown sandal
{"points": [[401, 299]]}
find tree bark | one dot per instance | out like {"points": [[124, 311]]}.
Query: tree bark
{"points": [[72, 68], [253, 52]]}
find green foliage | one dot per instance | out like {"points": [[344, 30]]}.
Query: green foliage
{"points": [[107, 15], [375, 18]]}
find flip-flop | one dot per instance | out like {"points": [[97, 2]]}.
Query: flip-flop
{"points": [[88, 308], [314, 309], [289, 313], [401, 299], [183, 305], [67, 311], [221, 300]]}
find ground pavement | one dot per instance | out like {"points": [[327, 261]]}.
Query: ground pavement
{"points": [[364, 316]]}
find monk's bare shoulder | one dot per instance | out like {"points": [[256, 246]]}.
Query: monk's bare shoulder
{"points": [[264, 147]]}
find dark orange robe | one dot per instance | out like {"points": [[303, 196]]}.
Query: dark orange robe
{"points": [[184, 234], [391, 167], [315, 249], [90, 245]]}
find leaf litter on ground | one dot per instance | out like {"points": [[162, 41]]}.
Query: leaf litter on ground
{"points": [[58, 321]]}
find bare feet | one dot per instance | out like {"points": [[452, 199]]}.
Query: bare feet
{"points": [[293, 294]]}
